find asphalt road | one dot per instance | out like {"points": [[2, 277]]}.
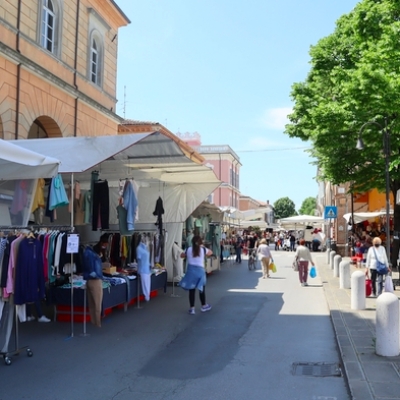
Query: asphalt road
{"points": [[259, 341]]}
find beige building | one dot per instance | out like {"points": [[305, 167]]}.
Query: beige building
{"points": [[58, 68]]}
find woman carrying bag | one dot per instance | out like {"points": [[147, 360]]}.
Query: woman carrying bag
{"points": [[303, 257], [377, 255], [266, 257]]}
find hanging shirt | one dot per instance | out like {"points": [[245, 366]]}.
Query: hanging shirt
{"points": [[143, 259], [58, 195], [38, 199], [130, 204]]}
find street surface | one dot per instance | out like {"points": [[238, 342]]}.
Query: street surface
{"points": [[244, 348]]}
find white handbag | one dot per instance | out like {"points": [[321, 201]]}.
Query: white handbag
{"points": [[295, 265], [389, 284]]}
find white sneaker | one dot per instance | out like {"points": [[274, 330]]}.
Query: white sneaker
{"points": [[43, 318], [29, 319]]}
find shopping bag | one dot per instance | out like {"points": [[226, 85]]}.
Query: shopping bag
{"points": [[295, 266], [389, 284], [272, 267], [368, 287], [313, 272]]}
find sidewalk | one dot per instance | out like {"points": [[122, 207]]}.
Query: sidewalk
{"points": [[369, 376]]}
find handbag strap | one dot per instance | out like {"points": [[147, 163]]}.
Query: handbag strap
{"points": [[376, 256]]}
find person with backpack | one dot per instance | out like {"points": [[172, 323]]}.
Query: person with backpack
{"points": [[377, 265]]}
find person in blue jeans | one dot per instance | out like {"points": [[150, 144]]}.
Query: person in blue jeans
{"points": [[238, 248]]}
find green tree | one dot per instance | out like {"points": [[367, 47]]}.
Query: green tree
{"points": [[354, 78], [309, 206], [284, 207]]}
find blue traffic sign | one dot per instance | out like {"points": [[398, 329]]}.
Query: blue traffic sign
{"points": [[330, 212]]}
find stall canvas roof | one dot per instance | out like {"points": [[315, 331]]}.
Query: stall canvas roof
{"points": [[151, 158], [298, 220], [19, 163], [363, 216]]}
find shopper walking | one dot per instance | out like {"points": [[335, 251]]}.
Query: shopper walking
{"points": [[266, 257], [195, 277], [375, 253], [303, 258], [238, 248]]}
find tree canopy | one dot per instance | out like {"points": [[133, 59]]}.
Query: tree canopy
{"points": [[284, 207], [309, 206], [354, 78]]}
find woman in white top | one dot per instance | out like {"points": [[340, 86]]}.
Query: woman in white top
{"points": [[374, 252], [266, 257], [303, 257], [195, 277]]}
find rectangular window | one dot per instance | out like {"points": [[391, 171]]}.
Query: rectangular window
{"points": [[47, 37]]}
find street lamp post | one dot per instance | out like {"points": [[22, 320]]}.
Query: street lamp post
{"points": [[386, 149]]}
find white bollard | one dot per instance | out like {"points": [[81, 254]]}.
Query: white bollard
{"points": [[358, 290], [387, 325], [344, 275], [332, 255], [336, 261], [328, 252]]}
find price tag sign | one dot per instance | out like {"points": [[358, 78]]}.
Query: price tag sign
{"points": [[72, 243]]}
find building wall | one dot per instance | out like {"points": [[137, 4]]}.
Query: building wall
{"points": [[53, 90]]}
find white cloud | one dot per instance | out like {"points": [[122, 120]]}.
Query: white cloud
{"points": [[276, 118]]}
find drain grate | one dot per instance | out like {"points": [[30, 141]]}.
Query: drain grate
{"points": [[316, 369]]}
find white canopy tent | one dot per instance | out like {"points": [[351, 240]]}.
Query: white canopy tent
{"points": [[154, 160], [19, 163], [300, 221], [363, 216], [19, 170]]}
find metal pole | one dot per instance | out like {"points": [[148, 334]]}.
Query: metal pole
{"points": [[387, 177]]}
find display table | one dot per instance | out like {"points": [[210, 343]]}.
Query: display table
{"points": [[113, 296]]}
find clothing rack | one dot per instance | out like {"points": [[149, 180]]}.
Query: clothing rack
{"points": [[13, 319]]}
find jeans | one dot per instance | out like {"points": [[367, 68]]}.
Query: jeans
{"points": [[238, 254], [377, 282]]}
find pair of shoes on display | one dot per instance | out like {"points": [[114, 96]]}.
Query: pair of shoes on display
{"points": [[192, 311], [205, 308], [43, 318]]}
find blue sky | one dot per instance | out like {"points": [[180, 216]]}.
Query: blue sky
{"points": [[224, 69]]}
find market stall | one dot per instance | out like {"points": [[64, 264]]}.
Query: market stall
{"points": [[162, 172], [19, 173]]}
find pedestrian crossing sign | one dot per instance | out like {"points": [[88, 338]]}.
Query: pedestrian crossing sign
{"points": [[330, 212]]}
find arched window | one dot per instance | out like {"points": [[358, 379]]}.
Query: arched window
{"points": [[94, 62], [48, 26]]}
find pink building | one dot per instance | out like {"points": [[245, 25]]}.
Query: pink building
{"points": [[226, 165]]}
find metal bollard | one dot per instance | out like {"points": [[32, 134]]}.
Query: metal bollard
{"points": [[358, 290], [328, 252], [336, 261], [344, 275], [332, 255], [387, 325]]}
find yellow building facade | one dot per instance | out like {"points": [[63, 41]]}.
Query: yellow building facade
{"points": [[58, 68]]}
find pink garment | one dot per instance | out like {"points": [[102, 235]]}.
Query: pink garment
{"points": [[9, 289], [20, 197]]}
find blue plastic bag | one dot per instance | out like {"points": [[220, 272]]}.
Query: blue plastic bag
{"points": [[313, 272]]}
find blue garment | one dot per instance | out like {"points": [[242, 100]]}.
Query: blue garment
{"points": [[130, 204], [58, 195], [92, 266], [143, 259], [29, 285], [195, 278]]}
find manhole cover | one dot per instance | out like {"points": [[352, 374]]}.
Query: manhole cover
{"points": [[316, 369]]}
